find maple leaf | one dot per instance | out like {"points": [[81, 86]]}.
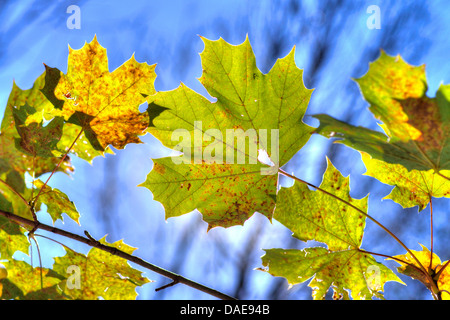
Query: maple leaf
{"points": [[412, 188], [21, 151], [33, 109], [254, 113], [102, 275], [410, 267], [314, 215], [27, 283], [14, 160], [46, 104], [105, 105], [35, 139], [57, 202], [12, 237], [416, 127]]}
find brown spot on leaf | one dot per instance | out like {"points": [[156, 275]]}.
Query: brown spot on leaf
{"points": [[423, 115]]}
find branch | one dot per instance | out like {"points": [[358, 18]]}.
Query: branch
{"points": [[114, 251]]}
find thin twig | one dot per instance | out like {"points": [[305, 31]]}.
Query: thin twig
{"points": [[56, 168], [48, 238], [431, 231], [114, 251], [40, 260], [387, 256], [16, 193], [174, 282]]}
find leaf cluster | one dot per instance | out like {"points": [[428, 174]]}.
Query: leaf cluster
{"points": [[89, 111]]}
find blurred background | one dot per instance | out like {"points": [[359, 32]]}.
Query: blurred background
{"points": [[333, 45]]}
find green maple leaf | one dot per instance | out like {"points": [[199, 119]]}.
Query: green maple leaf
{"points": [[416, 127], [220, 176], [101, 274], [314, 215]]}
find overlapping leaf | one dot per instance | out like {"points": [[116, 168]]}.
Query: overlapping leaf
{"points": [[431, 262], [105, 105], [27, 283], [35, 138], [412, 188], [101, 275], [12, 237], [218, 174], [314, 215], [26, 149], [14, 160], [417, 127], [57, 202]]}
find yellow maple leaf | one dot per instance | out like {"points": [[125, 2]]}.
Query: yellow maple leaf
{"points": [[438, 281], [104, 104]]}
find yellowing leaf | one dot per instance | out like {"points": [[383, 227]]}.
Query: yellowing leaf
{"points": [[45, 105], [24, 283], [104, 104], [57, 202], [220, 173], [314, 215], [226, 195], [14, 160], [443, 281], [417, 127], [99, 274], [350, 273], [412, 188], [411, 268], [35, 139], [390, 86], [12, 237]]}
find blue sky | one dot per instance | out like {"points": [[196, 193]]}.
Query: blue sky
{"points": [[166, 33]]}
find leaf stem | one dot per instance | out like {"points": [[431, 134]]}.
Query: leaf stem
{"points": [[40, 260], [16, 193], [438, 274], [48, 238], [445, 177], [57, 166], [114, 251], [431, 232], [387, 256]]}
